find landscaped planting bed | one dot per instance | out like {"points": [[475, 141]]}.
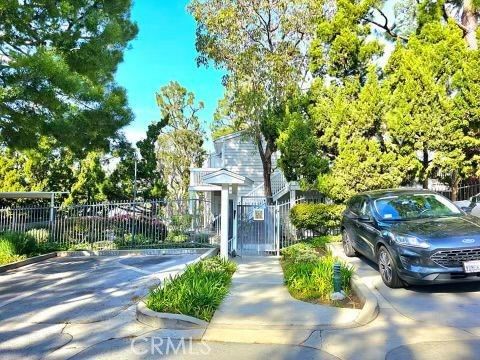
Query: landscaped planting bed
{"points": [[16, 246], [197, 292], [308, 272]]}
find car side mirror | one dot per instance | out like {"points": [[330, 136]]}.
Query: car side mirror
{"points": [[364, 218], [467, 209]]}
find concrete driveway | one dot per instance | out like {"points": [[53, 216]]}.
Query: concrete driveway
{"points": [[430, 322], [52, 304], [456, 305]]}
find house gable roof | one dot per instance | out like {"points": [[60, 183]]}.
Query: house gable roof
{"points": [[224, 176], [228, 136]]}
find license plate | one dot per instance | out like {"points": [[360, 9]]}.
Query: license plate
{"points": [[471, 266]]}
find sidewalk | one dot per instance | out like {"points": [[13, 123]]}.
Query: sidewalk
{"points": [[259, 309]]}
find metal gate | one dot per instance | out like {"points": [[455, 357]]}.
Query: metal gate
{"points": [[264, 228], [256, 227]]}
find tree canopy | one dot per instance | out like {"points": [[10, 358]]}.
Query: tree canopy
{"points": [[263, 47], [384, 120], [180, 142], [57, 65]]}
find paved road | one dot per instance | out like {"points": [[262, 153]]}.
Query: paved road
{"points": [[43, 304], [84, 308]]}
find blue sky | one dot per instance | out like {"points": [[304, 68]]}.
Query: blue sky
{"points": [[164, 50]]}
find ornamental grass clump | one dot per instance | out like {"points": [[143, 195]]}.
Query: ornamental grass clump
{"points": [[197, 292], [308, 270], [15, 246]]}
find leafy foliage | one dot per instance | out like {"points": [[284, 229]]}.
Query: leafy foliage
{"points": [[308, 271], [89, 179], [180, 143], [16, 246], [263, 47], [56, 72], [318, 217], [375, 124], [197, 292]]}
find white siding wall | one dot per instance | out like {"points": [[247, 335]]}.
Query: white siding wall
{"points": [[241, 156]]}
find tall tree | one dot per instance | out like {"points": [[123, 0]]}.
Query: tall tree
{"points": [[263, 47], [57, 63], [119, 181], [413, 119], [150, 181], [89, 179], [47, 168], [180, 143]]}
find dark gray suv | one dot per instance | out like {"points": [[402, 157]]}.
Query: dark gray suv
{"points": [[415, 236]]}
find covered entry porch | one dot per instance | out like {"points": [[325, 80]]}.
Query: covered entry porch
{"points": [[220, 186], [255, 225]]}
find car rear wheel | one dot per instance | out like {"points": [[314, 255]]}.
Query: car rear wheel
{"points": [[388, 270], [348, 244]]}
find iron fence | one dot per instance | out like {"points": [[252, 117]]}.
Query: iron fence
{"points": [[117, 225], [288, 234], [464, 192]]}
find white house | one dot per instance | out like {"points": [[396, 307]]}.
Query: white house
{"points": [[232, 181]]}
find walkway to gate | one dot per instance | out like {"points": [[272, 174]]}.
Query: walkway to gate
{"points": [[259, 308]]}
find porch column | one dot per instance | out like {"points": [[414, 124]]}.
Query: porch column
{"points": [[234, 230], [224, 223], [224, 178], [293, 198]]}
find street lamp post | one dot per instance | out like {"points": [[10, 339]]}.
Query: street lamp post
{"points": [[134, 200]]}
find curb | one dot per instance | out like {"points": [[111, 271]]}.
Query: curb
{"points": [[207, 252], [370, 308], [154, 252], [25, 262], [167, 320], [174, 321]]}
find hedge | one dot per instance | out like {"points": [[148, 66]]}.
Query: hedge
{"points": [[317, 217]]}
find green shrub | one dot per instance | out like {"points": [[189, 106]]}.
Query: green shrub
{"points": [[197, 292], [48, 247], [22, 243], [315, 279], [320, 242], [317, 217], [9, 258], [301, 249], [308, 270], [16, 246]]}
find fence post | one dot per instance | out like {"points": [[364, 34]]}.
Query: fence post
{"points": [[277, 228], [52, 205]]}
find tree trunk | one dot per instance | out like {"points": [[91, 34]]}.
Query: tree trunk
{"points": [[425, 162], [454, 186], [266, 157], [470, 22]]}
